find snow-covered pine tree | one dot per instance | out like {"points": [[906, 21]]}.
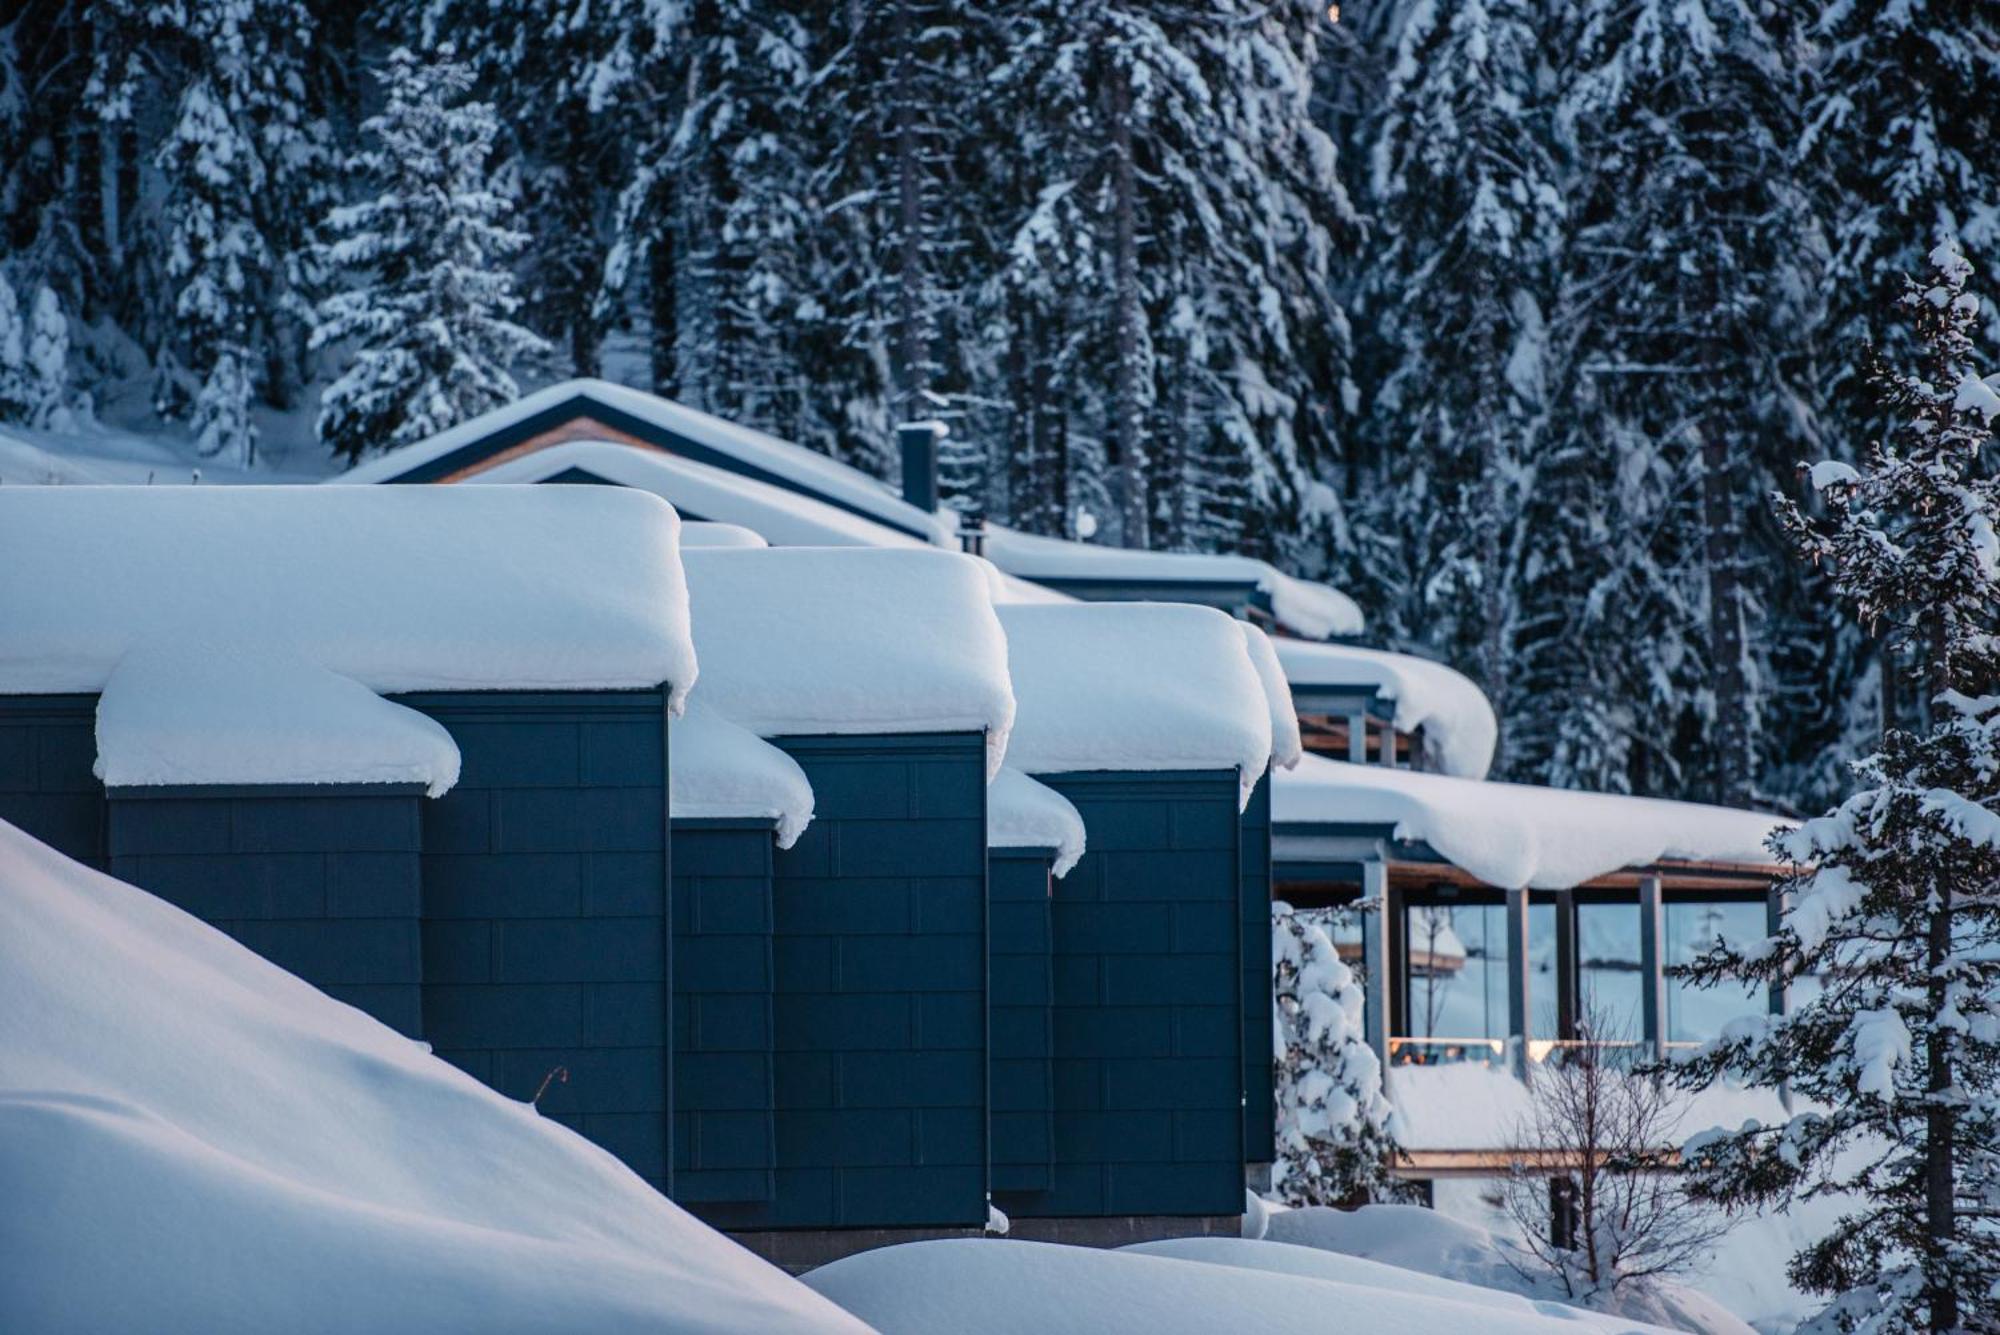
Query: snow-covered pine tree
{"points": [[427, 294], [1681, 306], [15, 400], [242, 166], [1466, 197], [1899, 134], [1895, 894], [562, 142], [46, 366], [1336, 1131]]}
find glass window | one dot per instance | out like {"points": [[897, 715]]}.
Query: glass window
{"points": [[1612, 987], [1695, 1014], [1455, 966]]}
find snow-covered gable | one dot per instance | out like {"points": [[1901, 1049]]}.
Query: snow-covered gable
{"points": [[722, 770], [800, 641], [1511, 835], [399, 588], [767, 457], [1459, 729], [1134, 686], [1286, 745], [781, 517], [1021, 813], [195, 1140], [212, 713], [705, 533], [1310, 609]]}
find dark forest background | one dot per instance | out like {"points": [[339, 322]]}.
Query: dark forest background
{"points": [[1507, 316]]}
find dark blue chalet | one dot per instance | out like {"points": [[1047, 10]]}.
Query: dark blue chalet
{"points": [[1151, 720], [410, 745]]}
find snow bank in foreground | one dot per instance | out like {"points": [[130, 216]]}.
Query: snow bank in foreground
{"points": [[1313, 1262], [1417, 1239], [400, 588], [776, 514], [194, 1140], [1309, 608], [978, 1286], [799, 641], [1510, 835], [1286, 744], [720, 770], [706, 533], [1134, 686], [1456, 718], [1021, 813], [188, 713]]}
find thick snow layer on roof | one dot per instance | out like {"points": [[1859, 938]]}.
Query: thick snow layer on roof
{"points": [[750, 446], [824, 640], [400, 588], [1134, 686], [982, 1286], [1286, 747], [195, 1140], [1457, 720], [1317, 610], [705, 533], [781, 517], [1511, 835], [721, 770], [1021, 813], [182, 712], [1477, 1106]]}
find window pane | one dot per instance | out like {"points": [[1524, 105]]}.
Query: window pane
{"points": [[1695, 1014]]}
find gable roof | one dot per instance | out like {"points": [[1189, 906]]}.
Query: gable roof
{"points": [[599, 410]]}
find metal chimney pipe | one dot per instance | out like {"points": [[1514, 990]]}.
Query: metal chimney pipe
{"points": [[920, 462]]}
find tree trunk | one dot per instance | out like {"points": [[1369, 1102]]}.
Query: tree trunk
{"points": [[1126, 427], [1940, 1223], [911, 350], [1725, 622], [662, 291]]}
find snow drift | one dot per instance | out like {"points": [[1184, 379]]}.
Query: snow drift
{"points": [[400, 588], [1021, 813], [976, 1286], [192, 1139], [181, 712], [721, 770], [806, 641], [1510, 835], [1455, 717], [1134, 686]]}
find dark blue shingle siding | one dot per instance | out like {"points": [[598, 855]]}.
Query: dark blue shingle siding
{"points": [[1259, 1114], [1147, 1013], [545, 937], [879, 963]]}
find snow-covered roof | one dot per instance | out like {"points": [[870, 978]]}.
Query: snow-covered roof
{"points": [[1021, 813], [1510, 835], [1286, 745], [781, 517], [182, 712], [1309, 608], [722, 770], [1469, 1105], [400, 588], [705, 533], [195, 1140], [830, 640], [1134, 686], [1459, 729], [777, 460]]}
